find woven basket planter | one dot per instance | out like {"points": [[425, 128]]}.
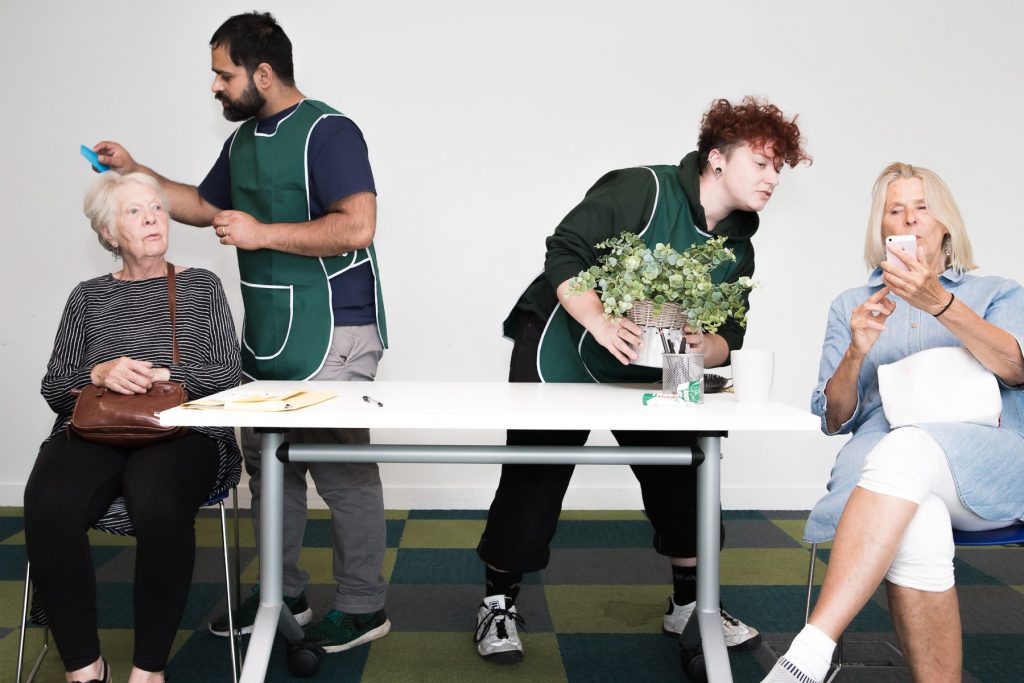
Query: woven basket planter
{"points": [[671, 315]]}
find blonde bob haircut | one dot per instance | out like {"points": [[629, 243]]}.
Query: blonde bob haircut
{"points": [[941, 206], [100, 205]]}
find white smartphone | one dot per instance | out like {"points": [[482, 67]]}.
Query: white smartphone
{"points": [[907, 243]]}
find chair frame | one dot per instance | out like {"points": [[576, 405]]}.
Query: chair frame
{"points": [[235, 640], [839, 662], [1007, 536]]}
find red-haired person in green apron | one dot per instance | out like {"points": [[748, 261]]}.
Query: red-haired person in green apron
{"points": [[716, 190], [293, 191]]}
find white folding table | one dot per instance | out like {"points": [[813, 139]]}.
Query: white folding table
{"points": [[498, 406]]}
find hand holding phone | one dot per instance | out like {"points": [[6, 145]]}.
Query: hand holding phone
{"points": [[908, 243]]}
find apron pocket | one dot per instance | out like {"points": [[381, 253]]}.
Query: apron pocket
{"points": [[269, 314]]}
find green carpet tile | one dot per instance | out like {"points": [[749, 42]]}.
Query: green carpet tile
{"points": [[593, 616]]}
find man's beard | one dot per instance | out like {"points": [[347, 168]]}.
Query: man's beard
{"points": [[246, 106]]}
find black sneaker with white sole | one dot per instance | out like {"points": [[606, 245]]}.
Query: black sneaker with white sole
{"points": [[245, 615]]}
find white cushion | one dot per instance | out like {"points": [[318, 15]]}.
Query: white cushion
{"points": [[946, 384]]}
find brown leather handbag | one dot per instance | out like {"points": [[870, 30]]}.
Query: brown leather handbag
{"points": [[130, 420]]}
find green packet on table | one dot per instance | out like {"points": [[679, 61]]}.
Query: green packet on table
{"points": [[264, 401]]}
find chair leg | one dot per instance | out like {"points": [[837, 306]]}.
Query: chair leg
{"points": [[810, 581], [228, 591], [21, 638], [238, 570], [238, 548], [807, 613]]}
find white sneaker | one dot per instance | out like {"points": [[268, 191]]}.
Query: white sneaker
{"points": [[738, 636], [497, 639]]}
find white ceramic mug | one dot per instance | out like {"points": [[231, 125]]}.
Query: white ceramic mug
{"points": [[752, 373]]}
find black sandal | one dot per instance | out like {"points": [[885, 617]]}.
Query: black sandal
{"points": [[104, 674]]}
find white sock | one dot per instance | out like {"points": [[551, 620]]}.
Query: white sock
{"points": [[811, 652]]}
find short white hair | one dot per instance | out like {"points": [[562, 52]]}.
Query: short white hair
{"points": [[939, 200], [100, 206]]}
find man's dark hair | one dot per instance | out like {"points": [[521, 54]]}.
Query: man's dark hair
{"points": [[253, 38]]}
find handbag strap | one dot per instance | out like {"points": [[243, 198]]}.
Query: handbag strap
{"points": [[171, 306]]}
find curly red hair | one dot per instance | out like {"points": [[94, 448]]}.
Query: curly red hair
{"points": [[754, 121]]}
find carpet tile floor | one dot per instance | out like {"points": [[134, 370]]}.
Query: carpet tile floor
{"points": [[593, 616]]}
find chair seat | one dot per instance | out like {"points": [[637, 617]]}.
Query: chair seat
{"points": [[1010, 535]]}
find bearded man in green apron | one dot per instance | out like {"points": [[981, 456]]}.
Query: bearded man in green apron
{"points": [[716, 190], [293, 191]]}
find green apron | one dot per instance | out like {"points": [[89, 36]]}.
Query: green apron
{"points": [[568, 353], [289, 320]]}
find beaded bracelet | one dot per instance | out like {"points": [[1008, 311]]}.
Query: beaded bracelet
{"points": [[946, 307]]}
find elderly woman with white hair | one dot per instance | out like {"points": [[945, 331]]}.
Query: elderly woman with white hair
{"points": [[897, 493], [116, 333]]}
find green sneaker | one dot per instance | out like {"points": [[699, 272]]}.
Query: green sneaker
{"points": [[339, 631], [245, 615]]}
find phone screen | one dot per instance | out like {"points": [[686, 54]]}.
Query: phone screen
{"points": [[907, 243]]}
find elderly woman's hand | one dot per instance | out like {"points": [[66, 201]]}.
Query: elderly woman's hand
{"points": [[868, 321], [127, 376], [919, 286]]}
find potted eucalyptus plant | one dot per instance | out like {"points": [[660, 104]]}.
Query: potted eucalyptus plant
{"points": [[662, 289]]}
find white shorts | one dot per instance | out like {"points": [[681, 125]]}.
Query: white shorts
{"points": [[909, 464]]}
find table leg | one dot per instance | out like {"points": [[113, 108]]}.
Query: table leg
{"points": [[709, 516], [272, 616]]}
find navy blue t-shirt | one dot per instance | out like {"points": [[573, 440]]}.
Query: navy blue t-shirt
{"points": [[339, 166]]}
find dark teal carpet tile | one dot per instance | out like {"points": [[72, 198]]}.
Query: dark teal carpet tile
{"points": [[203, 658], [209, 566], [785, 514], [101, 554], [395, 529], [10, 526], [991, 609], [742, 514], [1003, 564], [206, 659], [781, 609], [114, 600], [114, 604], [319, 533], [12, 562], [616, 657], [607, 566], [424, 608], [113, 563], [994, 658], [968, 575], [201, 599], [603, 534], [447, 514], [437, 566], [756, 533]]}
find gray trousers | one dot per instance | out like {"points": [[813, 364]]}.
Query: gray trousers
{"points": [[352, 491]]}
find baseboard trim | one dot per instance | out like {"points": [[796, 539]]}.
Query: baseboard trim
{"points": [[577, 498]]}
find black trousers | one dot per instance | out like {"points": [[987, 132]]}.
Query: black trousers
{"points": [[72, 484], [524, 515]]}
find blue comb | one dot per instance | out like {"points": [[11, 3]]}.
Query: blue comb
{"points": [[93, 159]]}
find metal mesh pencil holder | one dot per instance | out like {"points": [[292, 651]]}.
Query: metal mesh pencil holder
{"points": [[682, 375]]}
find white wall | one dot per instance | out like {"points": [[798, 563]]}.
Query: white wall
{"points": [[485, 126]]}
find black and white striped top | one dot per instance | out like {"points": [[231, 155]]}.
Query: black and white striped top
{"points": [[106, 318]]}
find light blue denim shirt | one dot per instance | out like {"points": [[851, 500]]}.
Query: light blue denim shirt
{"points": [[987, 462]]}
